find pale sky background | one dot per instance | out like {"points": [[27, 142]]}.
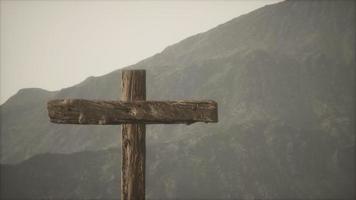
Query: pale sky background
{"points": [[56, 44]]}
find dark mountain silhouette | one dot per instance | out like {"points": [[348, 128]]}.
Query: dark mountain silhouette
{"points": [[284, 78]]}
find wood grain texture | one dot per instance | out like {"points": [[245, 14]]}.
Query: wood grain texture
{"points": [[133, 140], [133, 112], [80, 111]]}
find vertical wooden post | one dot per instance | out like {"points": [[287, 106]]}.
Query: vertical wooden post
{"points": [[133, 139]]}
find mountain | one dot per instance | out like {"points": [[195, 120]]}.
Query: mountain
{"points": [[283, 77]]}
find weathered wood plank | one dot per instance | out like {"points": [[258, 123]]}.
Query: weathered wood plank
{"points": [[133, 139], [80, 111], [133, 112]]}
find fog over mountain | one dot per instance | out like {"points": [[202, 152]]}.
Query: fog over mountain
{"points": [[284, 79]]}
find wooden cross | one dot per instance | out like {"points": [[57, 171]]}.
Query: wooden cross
{"points": [[133, 112]]}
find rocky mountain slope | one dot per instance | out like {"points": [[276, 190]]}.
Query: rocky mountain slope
{"points": [[284, 79]]}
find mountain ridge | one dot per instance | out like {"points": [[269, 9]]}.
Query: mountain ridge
{"points": [[283, 77], [159, 67]]}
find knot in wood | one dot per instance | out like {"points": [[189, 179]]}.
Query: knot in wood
{"points": [[67, 101], [133, 111], [102, 121], [81, 118]]}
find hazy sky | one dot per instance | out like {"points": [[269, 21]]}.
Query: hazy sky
{"points": [[55, 44]]}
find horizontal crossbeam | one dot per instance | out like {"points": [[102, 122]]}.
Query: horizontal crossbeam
{"points": [[80, 111]]}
